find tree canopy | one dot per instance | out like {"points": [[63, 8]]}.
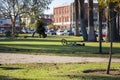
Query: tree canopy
{"points": [[15, 8]]}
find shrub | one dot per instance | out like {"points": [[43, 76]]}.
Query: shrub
{"points": [[8, 34]]}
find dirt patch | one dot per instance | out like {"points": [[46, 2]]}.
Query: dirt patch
{"points": [[12, 58], [103, 71]]}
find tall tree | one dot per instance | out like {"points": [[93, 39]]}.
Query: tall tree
{"points": [[14, 8], [101, 8], [91, 31], [82, 20], [76, 18], [40, 28], [113, 10], [113, 30]]}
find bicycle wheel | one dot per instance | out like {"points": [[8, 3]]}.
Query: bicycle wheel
{"points": [[64, 42]]}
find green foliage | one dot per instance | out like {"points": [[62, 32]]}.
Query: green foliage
{"points": [[39, 6], [13, 8], [102, 4], [31, 26], [8, 34], [40, 29], [51, 26]]}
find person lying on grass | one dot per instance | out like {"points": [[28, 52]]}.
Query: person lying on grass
{"points": [[76, 44]]}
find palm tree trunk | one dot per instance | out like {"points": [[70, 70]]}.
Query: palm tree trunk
{"points": [[91, 32], [77, 18], [82, 20]]}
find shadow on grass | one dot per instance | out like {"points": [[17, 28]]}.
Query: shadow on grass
{"points": [[10, 68], [30, 40], [10, 78], [54, 49], [103, 71], [91, 77]]}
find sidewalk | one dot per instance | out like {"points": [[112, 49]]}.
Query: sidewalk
{"points": [[11, 58]]}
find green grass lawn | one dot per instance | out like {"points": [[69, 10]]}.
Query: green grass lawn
{"points": [[58, 71], [52, 46]]}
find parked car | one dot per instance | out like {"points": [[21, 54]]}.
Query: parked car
{"points": [[68, 32], [96, 33], [60, 32], [27, 31], [3, 31], [80, 33], [30, 31], [51, 32], [103, 33]]}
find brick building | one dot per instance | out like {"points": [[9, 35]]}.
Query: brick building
{"points": [[64, 16]]}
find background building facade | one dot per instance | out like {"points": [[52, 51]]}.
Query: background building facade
{"points": [[64, 16]]}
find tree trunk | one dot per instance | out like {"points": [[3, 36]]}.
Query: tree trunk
{"points": [[118, 28], [108, 24], [82, 20], [112, 21], [100, 30], [113, 24], [91, 32], [77, 18], [13, 26]]}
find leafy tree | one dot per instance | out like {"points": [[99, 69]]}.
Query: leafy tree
{"points": [[113, 7], [32, 23], [101, 8], [40, 28], [51, 26], [14, 8]]}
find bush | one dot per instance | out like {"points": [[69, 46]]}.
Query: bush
{"points": [[8, 34], [41, 29]]}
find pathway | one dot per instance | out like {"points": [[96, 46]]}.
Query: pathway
{"points": [[11, 58]]}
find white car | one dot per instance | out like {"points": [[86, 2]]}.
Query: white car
{"points": [[52, 32], [60, 32], [28, 31]]}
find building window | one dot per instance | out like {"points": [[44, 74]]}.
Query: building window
{"points": [[57, 19], [60, 19], [59, 11], [67, 18]]}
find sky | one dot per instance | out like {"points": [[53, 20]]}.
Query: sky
{"points": [[56, 3]]}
